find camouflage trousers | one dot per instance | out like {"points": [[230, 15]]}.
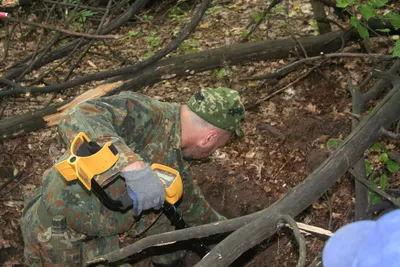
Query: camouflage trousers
{"points": [[31, 226]]}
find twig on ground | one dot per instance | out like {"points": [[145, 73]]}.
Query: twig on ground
{"points": [[389, 134], [299, 237]]}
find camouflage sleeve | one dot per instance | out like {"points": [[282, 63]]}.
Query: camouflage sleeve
{"points": [[194, 207], [100, 120]]}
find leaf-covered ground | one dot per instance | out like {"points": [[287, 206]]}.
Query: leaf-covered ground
{"points": [[286, 136]]}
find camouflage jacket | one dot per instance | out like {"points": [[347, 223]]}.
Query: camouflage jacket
{"points": [[140, 128]]}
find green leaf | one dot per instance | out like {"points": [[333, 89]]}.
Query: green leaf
{"points": [[383, 30], [376, 199], [394, 20], [192, 51], [342, 3], [332, 143], [368, 168], [194, 43], [383, 181], [256, 17], [376, 146], [377, 3], [383, 158], [132, 34], [367, 12], [221, 73], [361, 29], [245, 33], [392, 166], [396, 49]]}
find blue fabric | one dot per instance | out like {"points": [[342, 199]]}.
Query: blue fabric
{"points": [[365, 244], [135, 200]]}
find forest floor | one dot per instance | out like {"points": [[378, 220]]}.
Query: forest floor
{"points": [[286, 136]]}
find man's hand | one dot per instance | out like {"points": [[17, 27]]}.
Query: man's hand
{"points": [[144, 187]]}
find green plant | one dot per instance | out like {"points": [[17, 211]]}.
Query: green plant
{"points": [[334, 143], [131, 34], [148, 54], [152, 39], [84, 14], [364, 11], [221, 73], [256, 17], [147, 18], [211, 10], [191, 45], [176, 14]]}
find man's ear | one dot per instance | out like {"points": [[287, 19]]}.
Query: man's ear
{"points": [[209, 138]]}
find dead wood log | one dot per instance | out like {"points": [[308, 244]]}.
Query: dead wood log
{"points": [[324, 177], [253, 228]]}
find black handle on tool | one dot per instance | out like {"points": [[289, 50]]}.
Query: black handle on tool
{"points": [[177, 220]]}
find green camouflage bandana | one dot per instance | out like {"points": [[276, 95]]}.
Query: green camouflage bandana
{"points": [[220, 107]]}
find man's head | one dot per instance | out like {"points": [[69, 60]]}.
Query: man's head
{"points": [[209, 120]]}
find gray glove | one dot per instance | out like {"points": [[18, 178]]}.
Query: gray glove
{"points": [[145, 189]]}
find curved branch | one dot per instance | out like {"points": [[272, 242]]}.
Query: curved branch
{"points": [[299, 237], [175, 236]]}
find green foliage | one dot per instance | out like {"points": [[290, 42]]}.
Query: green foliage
{"points": [[368, 168], [367, 10], [278, 9], [396, 49], [152, 39], [211, 10], [147, 18], [84, 14], [333, 143], [131, 34], [256, 17], [363, 31], [176, 14], [221, 73], [191, 45]]}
